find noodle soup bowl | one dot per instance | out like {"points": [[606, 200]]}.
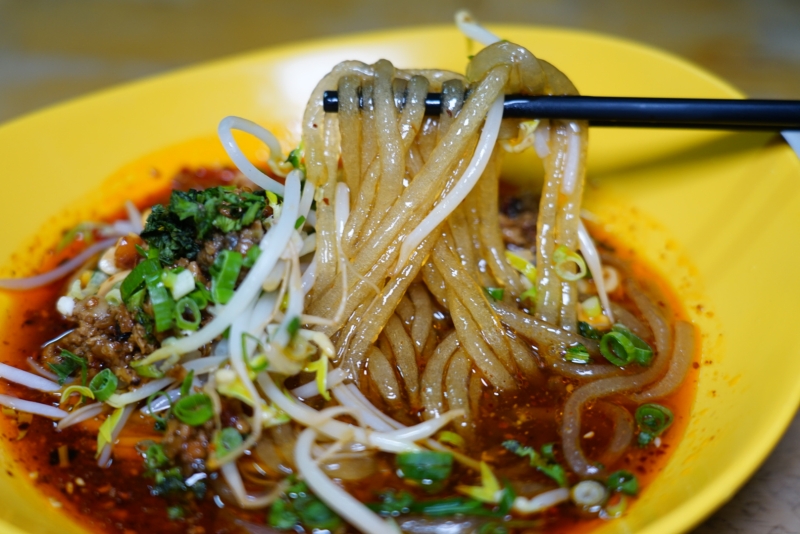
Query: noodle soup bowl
{"points": [[713, 213]]}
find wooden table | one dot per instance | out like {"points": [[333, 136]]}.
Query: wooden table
{"points": [[55, 50]]}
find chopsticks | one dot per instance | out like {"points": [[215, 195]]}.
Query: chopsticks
{"points": [[624, 112]]}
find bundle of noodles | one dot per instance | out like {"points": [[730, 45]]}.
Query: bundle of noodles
{"points": [[423, 234]]}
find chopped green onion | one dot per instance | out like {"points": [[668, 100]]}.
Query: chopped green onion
{"points": [[545, 464], [588, 331], [175, 512], [224, 273], [548, 451], [495, 292], [136, 278], [451, 506], [251, 257], [445, 436], [83, 390], [161, 422], [392, 503], [591, 307], [70, 363], [522, 265], [296, 158], [281, 516], [617, 510], [201, 296], [577, 354], [186, 386], [227, 440], [299, 222], [148, 371], [161, 300], [104, 384], [194, 410], [621, 347], [529, 294], [315, 514], [154, 457], [425, 467], [181, 282], [187, 306], [653, 420], [488, 491], [113, 297], [507, 498], [623, 481], [562, 257], [107, 428], [320, 368]]}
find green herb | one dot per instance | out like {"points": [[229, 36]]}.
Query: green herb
{"points": [[652, 420], [227, 440], [495, 292], [577, 354], [161, 422], [168, 482], [69, 364], [300, 506], [548, 451], [450, 506], [162, 302], [175, 512], [296, 158], [154, 457], [172, 237], [282, 516], [104, 384], [507, 499], [588, 331], [621, 347], [544, 463], [623, 481], [186, 386], [149, 371], [187, 306], [299, 222], [392, 503], [224, 273], [425, 467], [251, 257], [493, 528], [201, 296], [194, 410]]}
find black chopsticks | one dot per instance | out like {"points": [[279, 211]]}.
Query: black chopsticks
{"points": [[695, 113]]}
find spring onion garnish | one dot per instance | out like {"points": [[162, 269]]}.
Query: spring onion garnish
{"points": [[489, 491], [136, 278], [154, 457], [621, 347], [69, 364], [299, 222], [300, 506], [187, 314], [104, 435], [588, 331], [588, 493], [180, 281], [296, 157], [227, 440], [194, 410], [161, 422], [251, 257], [425, 467], [294, 326], [149, 371], [577, 354], [616, 510], [653, 420], [623, 481], [186, 386], [495, 292], [201, 296], [522, 265], [591, 307], [161, 300], [544, 462], [445, 436], [320, 367], [83, 390], [563, 257], [103, 385], [224, 273], [529, 294]]}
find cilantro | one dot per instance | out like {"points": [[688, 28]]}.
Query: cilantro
{"points": [[544, 463], [69, 364], [177, 230]]}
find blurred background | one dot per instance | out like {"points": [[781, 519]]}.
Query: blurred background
{"points": [[52, 50]]}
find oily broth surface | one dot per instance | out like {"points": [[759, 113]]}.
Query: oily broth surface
{"points": [[118, 499]]}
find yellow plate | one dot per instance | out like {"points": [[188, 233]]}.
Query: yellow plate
{"points": [[715, 212]]}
